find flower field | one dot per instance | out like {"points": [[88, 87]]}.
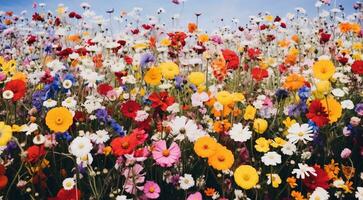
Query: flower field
{"points": [[120, 107]]}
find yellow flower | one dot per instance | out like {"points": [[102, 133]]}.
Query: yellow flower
{"points": [[269, 18], [205, 146], [238, 97], [169, 69], [323, 87], [294, 82], [250, 113], [153, 76], [203, 38], [260, 125], [246, 176], [262, 145], [196, 78], [223, 158], [288, 122], [274, 179], [5, 133], [8, 67], [19, 76], [165, 42], [278, 142], [333, 108], [59, 119], [357, 46], [323, 69], [224, 97], [140, 46]]}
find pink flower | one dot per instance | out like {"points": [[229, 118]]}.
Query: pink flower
{"points": [[163, 156], [195, 196], [151, 190], [199, 98], [134, 177], [345, 153]]}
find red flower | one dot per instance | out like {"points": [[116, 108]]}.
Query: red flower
{"points": [[258, 74], [34, 153], [320, 180], [130, 108], [253, 53], [161, 100], [40, 179], [128, 60], [18, 87], [357, 67], [140, 135], [231, 58], [324, 37], [73, 194], [123, 145], [103, 88], [343, 60], [3, 178], [317, 113], [144, 124]]}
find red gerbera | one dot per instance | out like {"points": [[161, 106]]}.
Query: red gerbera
{"points": [[317, 113], [130, 108], [320, 180], [73, 194], [34, 153], [161, 100], [258, 74], [103, 88], [231, 58], [123, 145], [140, 135], [18, 87], [357, 67]]}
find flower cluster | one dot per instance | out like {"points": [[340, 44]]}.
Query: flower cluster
{"points": [[270, 110]]}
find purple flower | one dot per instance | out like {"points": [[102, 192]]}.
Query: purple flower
{"points": [[145, 59], [359, 109]]}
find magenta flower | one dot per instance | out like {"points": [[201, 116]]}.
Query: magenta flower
{"points": [[195, 196], [151, 190], [164, 156]]}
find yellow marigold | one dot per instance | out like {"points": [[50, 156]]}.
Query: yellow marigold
{"points": [[333, 108], [323, 69], [203, 38], [246, 176], [153, 76], [294, 82], [59, 119], [205, 146], [196, 78], [223, 158], [5, 133], [224, 97], [250, 113], [260, 125], [262, 145], [169, 70]]}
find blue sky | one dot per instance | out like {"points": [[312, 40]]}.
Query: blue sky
{"points": [[212, 10]]}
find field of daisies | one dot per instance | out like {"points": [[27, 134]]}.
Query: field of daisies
{"points": [[120, 106]]}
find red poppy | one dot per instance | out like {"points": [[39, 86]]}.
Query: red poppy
{"points": [[161, 100], [73, 194], [103, 88], [123, 145], [324, 37], [140, 135], [130, 108], [18, 87], [253, 53], [34, 153], [317, 113], [357, 67], [320, 180], [258, 74], [231, 58]]}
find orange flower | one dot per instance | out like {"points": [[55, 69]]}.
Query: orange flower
{"points": [[221, 126], [291, 181], [297, 195], [192, 27], [345, 27], [348, 171], [332, 169], [294, 82], [295, 38], [209, 192], [290, 59], [219, 68], [97, 59], [74, 38]]}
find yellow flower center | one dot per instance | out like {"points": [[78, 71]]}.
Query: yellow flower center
{"points": [[125, 145], [246, 177], [151, 189], [300, 134], [58, 120]]}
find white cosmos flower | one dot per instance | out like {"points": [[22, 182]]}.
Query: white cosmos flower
{"points": [[49, 103], [271, 158], [347, 104], [39, 139], [186, 181], [68, 183], [239, 133], [303, 171], [319, 193], [299, 132], [70, 103], [182, 127], [8, 94], [85, 160], [80, 146], [100, 137], [288, 148], [359, 193], [338, 92]]}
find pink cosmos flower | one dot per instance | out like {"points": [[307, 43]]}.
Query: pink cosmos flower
{"points": [[345, 153], [151, 190], [134, 177], [165, 157], [195, 196]]}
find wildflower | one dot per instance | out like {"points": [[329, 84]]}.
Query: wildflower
{"points": [[80, 146], [231, 58], [151, 190], [169, 70], [260, 125], [222, 159], [333, 108], [239, 133], [250, 113], [197, 196], [274, 179], [323, 69], [205, 146], [357, 67], [303, 171], [291, 181], [224, 97], [186, 181], [299, 132], [68, 183], [271, 158], [129, 109], [246, 176], [182, 127], [165, 157], [6, 133], [319, 193], [161, 100], [153, 76], [59, 119], [262, 145], [18, 87], [294, 82], [317, 113], [123, 145], [34, 153]]}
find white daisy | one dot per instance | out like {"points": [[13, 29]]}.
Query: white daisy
{"points": [[299, 132], [347, 104], [49, 103], [359, 193], [80, 146], [186, 181], [239, 133], [319, 193], [70, 103], [303, 171], [271, 158], [100, 137], [288, 148], [68, 183]]}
